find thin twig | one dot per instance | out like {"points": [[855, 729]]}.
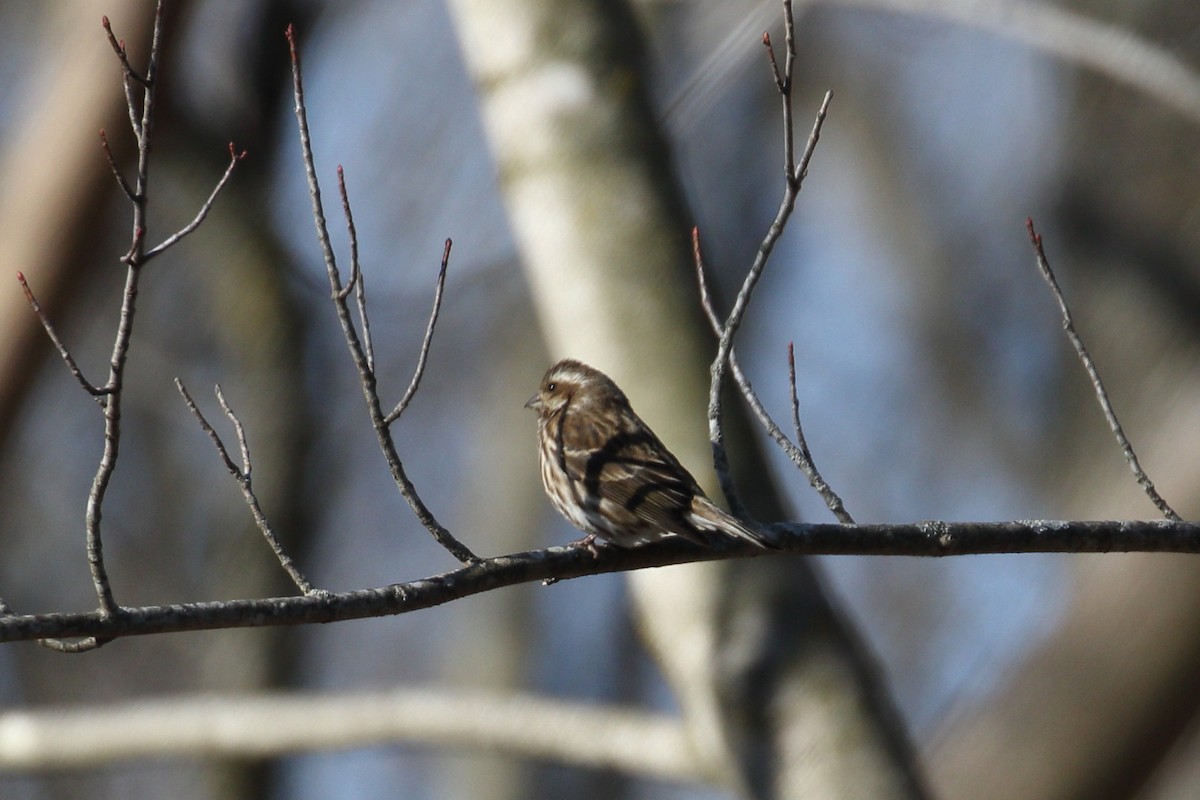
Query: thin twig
{"points": [[766, 40], [67, 358], [352, 233], [173, 239], [810, 145], [1090, 366], [310, 173], [112, 164], [242, 476], [831, 498], [720, 457], [118, 47], [357, 281], [423, 356], [365, 374], [129, 76]]}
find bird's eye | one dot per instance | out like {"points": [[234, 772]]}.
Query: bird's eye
{"points": [[550, 387]]}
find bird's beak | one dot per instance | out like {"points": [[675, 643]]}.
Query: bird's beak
{"points": [[534, 402]]}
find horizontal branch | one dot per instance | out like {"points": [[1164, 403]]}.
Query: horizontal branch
{"points": [[266, 725], [563, 563]]}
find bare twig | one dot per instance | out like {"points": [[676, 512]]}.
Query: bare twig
{"points": [[1090, 366], [130, 75], [357, 353], [173, 239], [423, 356], [779, 84], [119, 48], [67, 358], [112, 164], [806, 464], [242, 476], [357, 281]]}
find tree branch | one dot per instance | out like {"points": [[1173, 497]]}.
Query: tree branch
{"points": [[793, 175], [275, 724], [928, 539], [358, 354], [242, 476]]}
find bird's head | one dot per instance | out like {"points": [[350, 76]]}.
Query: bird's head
{"points": [[571, 381]]}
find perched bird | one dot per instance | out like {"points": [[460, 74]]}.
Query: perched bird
{"points": [[609, 475]]}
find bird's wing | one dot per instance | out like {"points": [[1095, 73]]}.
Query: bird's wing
{"points": [[628, 472]]}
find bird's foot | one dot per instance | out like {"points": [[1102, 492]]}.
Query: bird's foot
{"points": [[591, 543]]}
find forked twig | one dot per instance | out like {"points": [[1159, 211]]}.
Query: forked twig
{"points": [[358, 354], [111, 405], [1089, 366], [799, 454], [794, 175], [242, 475], [112, 165], [173, 239], [720, 457], [357, 282]]}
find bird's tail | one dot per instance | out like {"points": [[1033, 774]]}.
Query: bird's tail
{"points": [[708, 517]]}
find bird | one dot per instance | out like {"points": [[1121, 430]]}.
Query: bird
{"points": [[606, 471]]}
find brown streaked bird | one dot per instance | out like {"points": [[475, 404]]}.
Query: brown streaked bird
{"points": [[609, 475]]}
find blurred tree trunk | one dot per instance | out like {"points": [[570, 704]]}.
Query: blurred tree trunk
{"points": [[777, 695]]}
